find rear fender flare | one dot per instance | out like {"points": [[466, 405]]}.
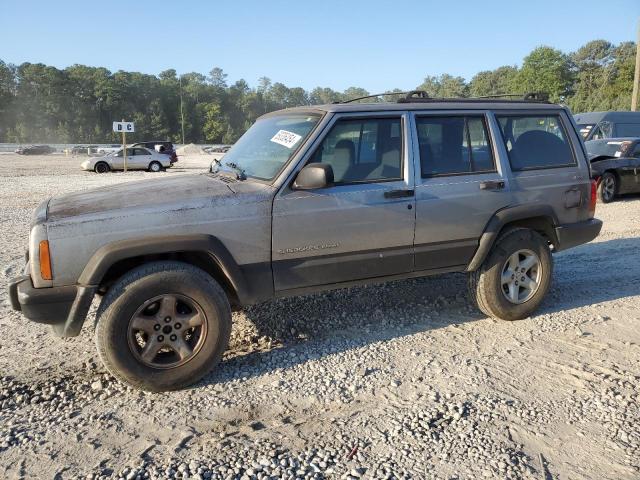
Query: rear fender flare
{"points": [[504, 217]]}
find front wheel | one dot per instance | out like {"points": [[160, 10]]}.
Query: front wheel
{"points": [[608, 188], [101, 167], [163, 326], [515, 277], [155, 167]]}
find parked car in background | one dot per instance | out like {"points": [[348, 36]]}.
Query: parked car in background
{"points": [[113, 148], [217, 149], [84, 149], [313, 198], [615, 164], [160, 147], [35, 150], [599, 125], [138, 158]]}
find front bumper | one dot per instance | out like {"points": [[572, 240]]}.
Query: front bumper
{"points": [[64, 308], [574, 234]]}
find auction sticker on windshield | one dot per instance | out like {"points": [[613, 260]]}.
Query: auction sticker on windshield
{"points": [[286, 138]]}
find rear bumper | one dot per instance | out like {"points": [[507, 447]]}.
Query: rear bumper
{"points": [[64, 308], [574, 234]]}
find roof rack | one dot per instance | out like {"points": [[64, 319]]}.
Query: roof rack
{"points": [[420, 96], [375, 95]]}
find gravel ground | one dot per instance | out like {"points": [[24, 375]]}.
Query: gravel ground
{"points": [[404, 380]]}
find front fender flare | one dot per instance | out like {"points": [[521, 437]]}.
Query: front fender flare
{"points": [[109, 254]]}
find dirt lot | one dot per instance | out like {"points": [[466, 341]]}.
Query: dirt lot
{"points": [[405, 380]]}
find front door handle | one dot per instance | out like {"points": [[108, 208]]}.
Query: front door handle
{"points": [[399, 193], [492, 185]]}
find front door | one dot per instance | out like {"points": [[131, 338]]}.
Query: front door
{"points": [[117, 159], [140, 158], [362, 226], [459, 186]]}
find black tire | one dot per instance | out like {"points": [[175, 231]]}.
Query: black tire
{"points": [[486, 284], [608, 187], [155, 167], [101, 167], [124, 300]]}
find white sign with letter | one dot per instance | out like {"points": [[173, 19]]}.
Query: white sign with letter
{"points": [[123, 127]]}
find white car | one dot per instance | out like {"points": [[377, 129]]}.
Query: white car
{"points": [[138, 158]]}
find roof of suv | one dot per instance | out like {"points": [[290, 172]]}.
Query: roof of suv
{"points": [[454, 104]]}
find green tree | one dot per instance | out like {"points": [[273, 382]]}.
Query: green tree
{"points": [[502, 80], [213, 127], [40, 103], [547, 70], [444, 86]]}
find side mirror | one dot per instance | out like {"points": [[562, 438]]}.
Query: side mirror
{"points": [[314, 175]]}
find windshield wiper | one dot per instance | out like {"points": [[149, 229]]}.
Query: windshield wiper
{"points": [[240, 174]]}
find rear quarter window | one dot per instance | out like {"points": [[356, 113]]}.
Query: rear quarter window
{"points": [[535, 142], [628, 130]]}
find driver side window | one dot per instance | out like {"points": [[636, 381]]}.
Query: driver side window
{"points": [[363, 150]]}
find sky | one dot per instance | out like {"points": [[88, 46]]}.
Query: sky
{"points": [[371, 44]]}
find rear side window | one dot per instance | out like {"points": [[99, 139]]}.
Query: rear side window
{"points": [[628, 130], [535, 142], [454, 145]]}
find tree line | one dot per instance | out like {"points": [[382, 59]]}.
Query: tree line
{"points": [[40, 103]]}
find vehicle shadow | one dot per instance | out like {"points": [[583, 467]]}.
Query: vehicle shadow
{"points": [[594, 273], [301, 329], [311, 327]]}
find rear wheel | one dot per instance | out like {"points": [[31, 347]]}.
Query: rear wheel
{"points": [[155, 167], [515, 277], [163, 326], [101, 167], [608, 188]]}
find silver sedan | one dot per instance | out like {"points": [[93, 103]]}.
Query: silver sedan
{"points": [[138, 158]]}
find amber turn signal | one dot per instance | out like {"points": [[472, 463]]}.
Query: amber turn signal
{"points": [[45, 261]]}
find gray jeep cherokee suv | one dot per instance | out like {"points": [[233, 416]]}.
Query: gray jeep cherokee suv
{"points": [[312, 198]]}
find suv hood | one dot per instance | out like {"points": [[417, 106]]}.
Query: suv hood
{"points": [[173, 193]]}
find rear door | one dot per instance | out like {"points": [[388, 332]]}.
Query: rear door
{"points": [[460, 184], [361, 227], [546, 161]]}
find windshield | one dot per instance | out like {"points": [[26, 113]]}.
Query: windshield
{"points": [[269, 144]]}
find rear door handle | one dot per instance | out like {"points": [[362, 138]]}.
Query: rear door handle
{"points": [[399, 193], [492, 185]]}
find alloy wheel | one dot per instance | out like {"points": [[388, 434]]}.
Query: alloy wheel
{"points": [[167, 331], [521, 275], [608, 187]]}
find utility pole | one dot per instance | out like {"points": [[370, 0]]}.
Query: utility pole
{"points": [[124, 148], [636, 77], [181, 112]]}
